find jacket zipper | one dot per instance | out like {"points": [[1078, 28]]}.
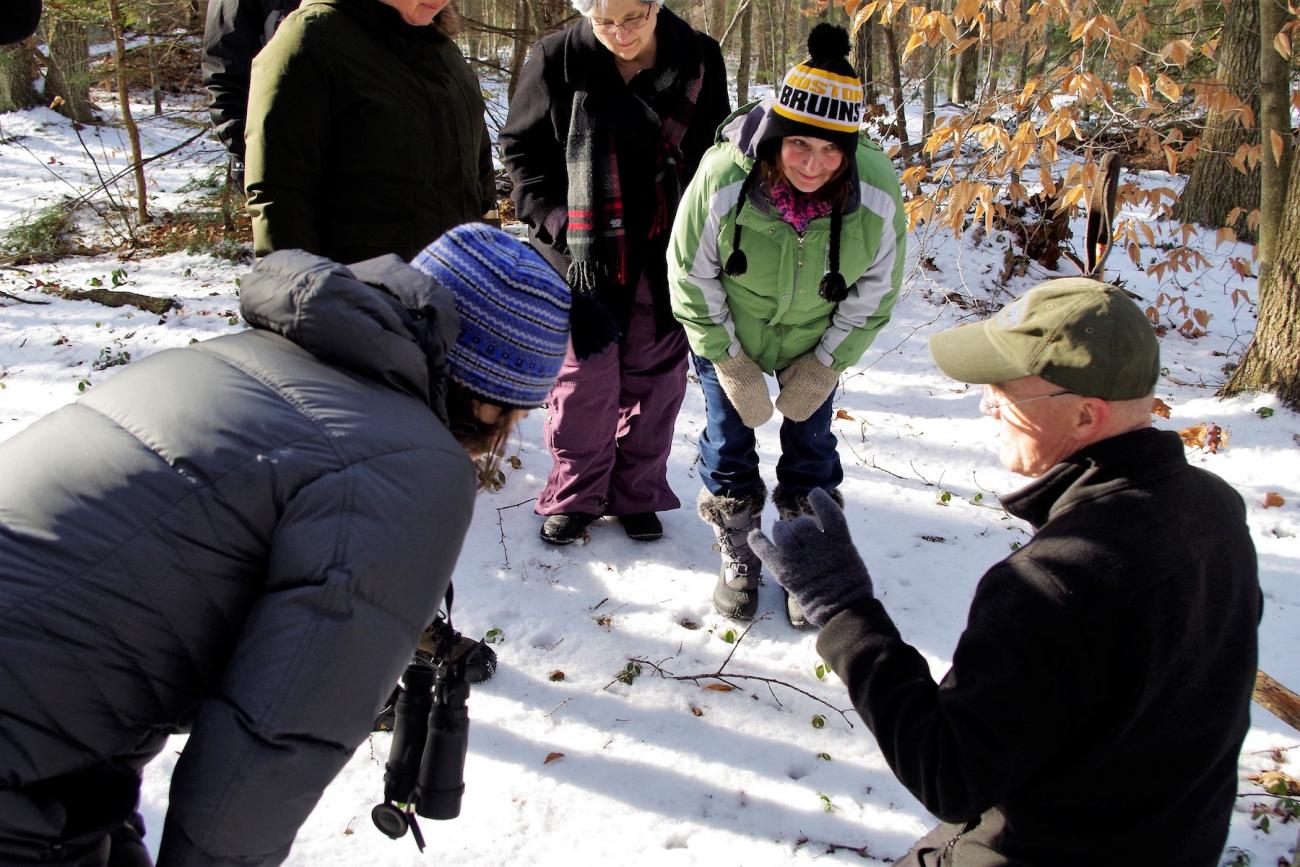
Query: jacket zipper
{"points": [[946, 856], [798, 263]]}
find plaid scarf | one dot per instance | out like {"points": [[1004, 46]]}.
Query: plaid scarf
{"points": [[596, 235]]}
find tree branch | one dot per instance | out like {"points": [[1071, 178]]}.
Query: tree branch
{"points": [[725, 677]]}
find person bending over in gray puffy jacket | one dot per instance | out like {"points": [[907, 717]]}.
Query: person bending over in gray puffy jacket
{"points": [[246, 537]]}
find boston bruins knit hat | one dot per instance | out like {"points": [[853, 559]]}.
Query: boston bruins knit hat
{"points": [[821, 97], [514, 313]]}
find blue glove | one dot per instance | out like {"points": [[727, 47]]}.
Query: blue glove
{"points": [[817, 565]]}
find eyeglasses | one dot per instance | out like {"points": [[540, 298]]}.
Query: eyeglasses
{"points": [[629, 25], [991, 406]]}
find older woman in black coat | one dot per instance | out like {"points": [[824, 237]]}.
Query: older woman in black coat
{"points": [[607, 125]]}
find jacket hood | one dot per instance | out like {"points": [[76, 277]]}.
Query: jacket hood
{"points": [[380, 318], [743, 129]]}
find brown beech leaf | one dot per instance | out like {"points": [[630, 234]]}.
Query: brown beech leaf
{"points": [[841, 414], [550, 757], [720, 687], [1277, 782], [1274, 500], [1159, 407], [1206, 435]]}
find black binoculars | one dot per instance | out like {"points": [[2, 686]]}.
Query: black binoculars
{"points": [[425, 772]]}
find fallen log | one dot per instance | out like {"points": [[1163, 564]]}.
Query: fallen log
{"points": [[118, 298], [1277, 700]]}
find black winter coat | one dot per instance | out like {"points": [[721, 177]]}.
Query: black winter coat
{"points": [[1098, 699], [246, 536], [365, 135], [236, 30], [533, 142]]}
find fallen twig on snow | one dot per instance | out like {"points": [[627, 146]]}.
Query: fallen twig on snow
{"points": [[725, 677], [832, 848]]}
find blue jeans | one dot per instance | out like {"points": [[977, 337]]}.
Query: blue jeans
{"points": [[729, 462]]}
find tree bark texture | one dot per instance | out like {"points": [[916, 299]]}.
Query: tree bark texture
{"points": [[1215, 186], [717, 17], [1272, 361], [1277, 699], [896, 78], [519, 47], [124, 98], [69, 72], [17, 72], [863, 55], [965, 70], [742, 70], [1274, 117]]}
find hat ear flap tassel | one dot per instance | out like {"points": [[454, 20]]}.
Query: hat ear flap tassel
{"points": [[833, 288], [737, 264]]}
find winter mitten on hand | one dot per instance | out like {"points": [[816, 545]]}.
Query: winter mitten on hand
{"points": [[591, 328], [818, 565], [805, 385], [746, 388]]}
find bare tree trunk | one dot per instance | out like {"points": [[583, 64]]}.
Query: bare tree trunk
{"points": [[931, 71], [896, 76], [1275, 125], [717, 18], [742, 71], [964, 72], [1272, 361], [519, 51], [1216, 187], [863, 57], [783, 41], [17, 72], [155, 81], [68, 75], [132, 131]]}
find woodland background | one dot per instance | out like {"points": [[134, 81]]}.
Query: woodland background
{"points": [[1203, 89], [997, 116]]}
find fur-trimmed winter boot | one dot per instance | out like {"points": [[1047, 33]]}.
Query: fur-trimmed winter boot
{"points": [[732, 517], [789, 506]]}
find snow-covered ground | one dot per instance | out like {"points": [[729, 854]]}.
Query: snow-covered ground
{"points": [[663, 771]]}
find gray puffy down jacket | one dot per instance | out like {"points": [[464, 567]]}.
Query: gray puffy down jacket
{"points": [[244, 536]]}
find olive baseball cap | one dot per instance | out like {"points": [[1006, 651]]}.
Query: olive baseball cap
{"points": [[1076, 333]]}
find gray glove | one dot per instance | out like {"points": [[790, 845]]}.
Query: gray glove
{"points": [[818, 565], [746, 388], [805, 385]]}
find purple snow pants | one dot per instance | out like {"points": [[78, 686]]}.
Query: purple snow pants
{"points": [[610, 419]]}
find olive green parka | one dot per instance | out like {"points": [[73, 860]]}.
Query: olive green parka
{"points": [[365, 135]]}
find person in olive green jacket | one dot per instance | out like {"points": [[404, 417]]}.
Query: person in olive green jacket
{"points": [[365, 131], [786, 257]]}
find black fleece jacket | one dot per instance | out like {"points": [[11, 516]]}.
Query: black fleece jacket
{"points": [[1099, 696]]}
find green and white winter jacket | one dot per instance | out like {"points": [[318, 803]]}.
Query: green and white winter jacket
{"points": [[773, 312]]}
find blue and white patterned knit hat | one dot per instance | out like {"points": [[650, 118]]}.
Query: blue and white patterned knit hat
{"points": [[514, 313]]}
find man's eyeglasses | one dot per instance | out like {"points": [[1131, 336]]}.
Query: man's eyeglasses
{"points": [[629, 24], [990, 405]]}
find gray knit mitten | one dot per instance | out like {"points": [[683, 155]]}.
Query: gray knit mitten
{"points": [[814, 559], [746, 388], [805, 385]]}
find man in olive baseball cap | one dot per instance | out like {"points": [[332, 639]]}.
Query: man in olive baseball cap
{"points": [[1128, 619]]}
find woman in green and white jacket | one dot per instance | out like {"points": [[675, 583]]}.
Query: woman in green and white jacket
{"points": [[786, 258]]}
